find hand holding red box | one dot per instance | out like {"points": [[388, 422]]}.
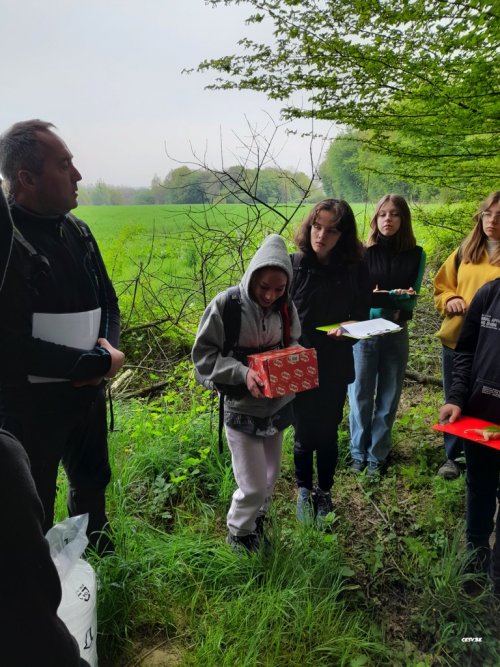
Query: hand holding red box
{"points": [[286, 371]]}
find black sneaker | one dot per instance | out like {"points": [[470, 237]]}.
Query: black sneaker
{"points": [[480, 559], [477, 571], [357, 466], [264, 541], [305, 506], [240, 543], [259, 525], [449, 470], [375, 470], [324, 505]]}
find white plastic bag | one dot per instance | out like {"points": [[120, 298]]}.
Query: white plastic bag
{"points": [[78, 609]]}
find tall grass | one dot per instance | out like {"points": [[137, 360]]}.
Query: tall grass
{"points": [[377, 588]]}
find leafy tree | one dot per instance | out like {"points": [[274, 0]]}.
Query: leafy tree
{"points": [[103, 194], [418, 76], [352, 171], [340, 171], [143, 196], [157, 191], [183, 185]]}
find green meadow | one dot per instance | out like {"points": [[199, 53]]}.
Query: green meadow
{"points": [[125, 233], [109, 222]]}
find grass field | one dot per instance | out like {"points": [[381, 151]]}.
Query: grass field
{"points": [[125, 232], [110, 222], [117, 228]]}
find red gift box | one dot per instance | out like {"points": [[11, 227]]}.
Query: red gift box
{"points": [[286, 371]]}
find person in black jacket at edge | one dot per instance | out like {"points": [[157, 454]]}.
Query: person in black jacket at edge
{"points": [[31, 633], [330, 285], [475, 392], [52, 394]]}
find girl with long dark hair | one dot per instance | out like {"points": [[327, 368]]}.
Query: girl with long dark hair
{"points": [[330, 285]]}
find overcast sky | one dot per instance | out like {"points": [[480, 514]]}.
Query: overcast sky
{"points": [[108, 74]]}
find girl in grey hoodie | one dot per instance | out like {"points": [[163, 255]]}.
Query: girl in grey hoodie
{"points": [[253, 423]]}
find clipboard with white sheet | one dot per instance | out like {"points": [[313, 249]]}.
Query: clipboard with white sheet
{"points": [[364, 329], [79, 330]]}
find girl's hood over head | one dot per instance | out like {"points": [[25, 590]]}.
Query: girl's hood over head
{"points": [[272, 253]]}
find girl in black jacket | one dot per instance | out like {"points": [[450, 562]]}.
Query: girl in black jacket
{"points": [[475, 391], [330, 285], [396, 265]]}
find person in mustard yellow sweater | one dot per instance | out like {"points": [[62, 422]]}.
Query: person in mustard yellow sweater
{"points": [[469, 267]]}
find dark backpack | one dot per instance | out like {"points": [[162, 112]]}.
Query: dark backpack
{"points": [[38, 265], [231, 318]]}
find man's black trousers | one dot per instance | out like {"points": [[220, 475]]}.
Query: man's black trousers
{"points": [[78, 439]]}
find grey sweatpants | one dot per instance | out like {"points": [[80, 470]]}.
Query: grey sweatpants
{"points": [[256, 467]]}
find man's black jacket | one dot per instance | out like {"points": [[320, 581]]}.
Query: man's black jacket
{"points": [[67, 275]]}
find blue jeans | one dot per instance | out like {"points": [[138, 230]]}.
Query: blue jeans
{"points": [[452, 443], [380, 365]]}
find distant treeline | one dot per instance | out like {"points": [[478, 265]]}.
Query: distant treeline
{"points": [[349, 171], [199, 186]]}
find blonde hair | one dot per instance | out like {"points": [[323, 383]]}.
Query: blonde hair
{"points": [[474, 245]]}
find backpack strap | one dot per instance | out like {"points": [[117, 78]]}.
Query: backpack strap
{"points": [[285, 308], [296, 259], [221, 421], [84, 233], [99, 276], [81, 228], [231, 317], [32, 252], [39, 264], [86, 237]]}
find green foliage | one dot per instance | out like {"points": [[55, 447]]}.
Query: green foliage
{"points": [[352, 171], [446, 227], [340, 171], [418, 76]]}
